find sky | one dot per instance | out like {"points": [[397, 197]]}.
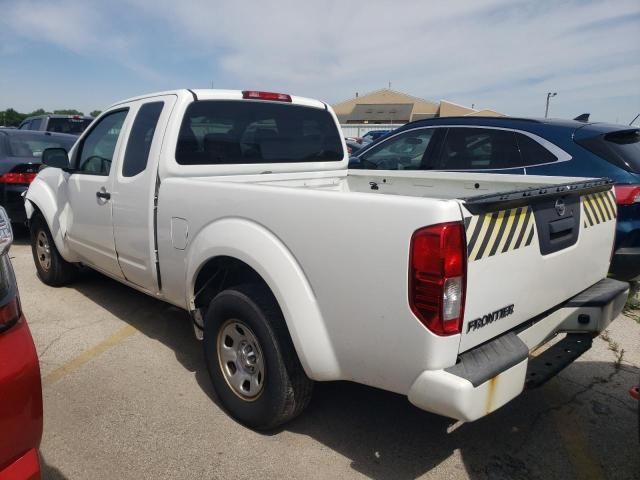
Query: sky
{"points": [[499, 54]]}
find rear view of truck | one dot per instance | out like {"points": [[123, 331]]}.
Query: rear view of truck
{"points": [[534, 266]]}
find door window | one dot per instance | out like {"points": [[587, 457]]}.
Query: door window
{"points": [[97, 149], [403, 152], [140, 138], [478, 148], [36, 123], [532, 152]]}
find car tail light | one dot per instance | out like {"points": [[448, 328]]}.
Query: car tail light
{"points": [[256, 95], [18, 178], [9, 314], [437, 277], [627, 194]]}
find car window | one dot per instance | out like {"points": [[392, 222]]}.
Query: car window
{"points": [[532, 152], [26, 125], [72, 125], [249, 132], [36, 123], [402, 152], [140, 138], [478, 148], [621, 148], [28, 144], [97, 149]]}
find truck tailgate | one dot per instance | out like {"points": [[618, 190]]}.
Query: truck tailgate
{"points": [[530, 250]]}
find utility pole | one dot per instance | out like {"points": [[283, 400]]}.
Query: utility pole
{"points": [[549, 95]]}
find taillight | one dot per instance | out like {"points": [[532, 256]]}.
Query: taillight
{"points": [[256, 95], [437, 277], [627, 194], [18, 178], [9, 314]]}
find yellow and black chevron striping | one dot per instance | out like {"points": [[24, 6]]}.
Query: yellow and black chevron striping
{"points": [[499, 232], [599, 207]]}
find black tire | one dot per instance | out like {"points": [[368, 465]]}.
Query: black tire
{"points": [[55, 272], [286, 390]]}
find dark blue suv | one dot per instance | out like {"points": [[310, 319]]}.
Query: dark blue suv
{"points": [[527, 147]]}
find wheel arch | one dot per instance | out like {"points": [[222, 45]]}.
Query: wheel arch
{"points": [[252, 253], [41, 199]]}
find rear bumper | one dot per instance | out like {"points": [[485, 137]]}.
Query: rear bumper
{"points": [[625, 264], [12, 201], [26, 467], [489, 376], [20, 400]]}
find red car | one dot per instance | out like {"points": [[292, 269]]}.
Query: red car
{"points": [[20, 387]]}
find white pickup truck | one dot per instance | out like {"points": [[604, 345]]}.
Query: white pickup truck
{"points": [[238, 207]]}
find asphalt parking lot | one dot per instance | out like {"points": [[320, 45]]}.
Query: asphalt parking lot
{"points": [[127, 395]]}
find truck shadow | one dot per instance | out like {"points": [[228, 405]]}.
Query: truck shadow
{"points": [[385, 437]]}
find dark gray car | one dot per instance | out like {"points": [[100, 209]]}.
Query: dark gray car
{"points": [[20, 153], [72, 124]]}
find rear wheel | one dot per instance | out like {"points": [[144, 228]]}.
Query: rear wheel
{"points": [[51, 267], [251, 359]]}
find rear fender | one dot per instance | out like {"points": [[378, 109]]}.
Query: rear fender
{"points": [[269, 257]]}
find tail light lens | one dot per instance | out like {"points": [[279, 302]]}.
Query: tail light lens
{"points": [[18, 178], [627, 194], [256, 95], [9, 314], [437, 277]]}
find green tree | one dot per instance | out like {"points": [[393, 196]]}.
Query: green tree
{"points": [[11, 118], [95, 113], [68, 112], [39, 111]]}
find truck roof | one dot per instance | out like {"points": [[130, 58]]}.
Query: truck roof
{"points": [[218, 94]]}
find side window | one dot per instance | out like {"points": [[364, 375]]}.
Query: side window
{"points": [[36, 123], [140, 138], [478, 149], [532, 152], [26, 125], [97, 149], [403, 152]]}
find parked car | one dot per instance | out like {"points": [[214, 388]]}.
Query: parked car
{"points": [[238, 207], [373, 135], [20, 153], [353, 147], [72, 124], [526, 147], [20, 387]]}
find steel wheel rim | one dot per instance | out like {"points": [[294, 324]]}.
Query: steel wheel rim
{"points": [[241, 360], [43, 250]]}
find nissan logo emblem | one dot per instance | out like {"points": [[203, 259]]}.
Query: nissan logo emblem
{"points": [[560, 207]]}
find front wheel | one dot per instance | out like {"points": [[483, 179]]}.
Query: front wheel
{"points": [[51, 267], [251, 359]]}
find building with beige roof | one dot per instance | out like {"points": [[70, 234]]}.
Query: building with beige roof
{"points": [[388, 106]]}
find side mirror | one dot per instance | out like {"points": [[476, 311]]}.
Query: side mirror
{"points": [[354, 162], [55, 157], [6, 233]]}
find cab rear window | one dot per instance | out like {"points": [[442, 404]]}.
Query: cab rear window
{"points": [[74, 126], [215, 132], [622, 148]]}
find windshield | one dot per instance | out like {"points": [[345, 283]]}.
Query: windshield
{"points": [[622, 148], [23, 144], [68, 125], [248, 132]]}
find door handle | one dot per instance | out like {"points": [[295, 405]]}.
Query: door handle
{"points": [[104, 195]]}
